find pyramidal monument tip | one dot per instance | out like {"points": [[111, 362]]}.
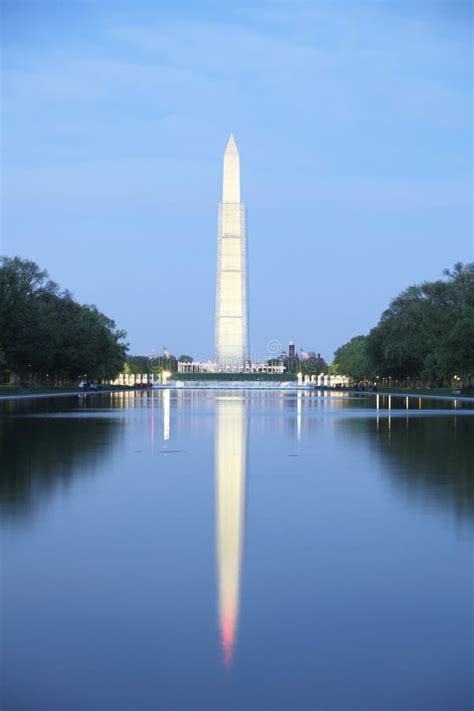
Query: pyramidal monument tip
{"points": [[231, 145]]}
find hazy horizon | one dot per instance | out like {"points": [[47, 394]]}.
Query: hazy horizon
{"points": [[354, 127]]}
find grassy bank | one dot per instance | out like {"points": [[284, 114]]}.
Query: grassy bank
{"points": [[446, 392], [254, 377], [45, 390]]}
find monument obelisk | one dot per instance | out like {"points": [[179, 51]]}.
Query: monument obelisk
{"points": [[231, 283]]}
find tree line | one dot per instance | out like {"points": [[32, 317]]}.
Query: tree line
{"points": [[137, 364], [46, 335], [425, 336], [312, 365]]}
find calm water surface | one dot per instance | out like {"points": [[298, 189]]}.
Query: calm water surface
{"points": [[258, 551]]}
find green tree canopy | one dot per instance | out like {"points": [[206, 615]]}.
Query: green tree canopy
{"points": [[426, 334], [137, 365], [352, 359], [45, 331], [314, 365]]}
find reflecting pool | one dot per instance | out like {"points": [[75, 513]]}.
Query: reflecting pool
{"points": [[267, 550]]}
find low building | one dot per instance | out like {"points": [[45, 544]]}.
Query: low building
{"points": [[208, 366], [197, 366]]}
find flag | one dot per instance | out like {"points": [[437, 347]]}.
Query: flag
{"points": [[304, 355]]}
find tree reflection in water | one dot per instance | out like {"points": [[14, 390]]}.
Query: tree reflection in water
{"points": [[430, 456], [40, 452]]}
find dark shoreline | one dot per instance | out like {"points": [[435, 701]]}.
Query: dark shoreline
{"points": [[408, 393]]}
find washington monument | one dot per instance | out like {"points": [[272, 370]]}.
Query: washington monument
{"points": [[231, 283]]}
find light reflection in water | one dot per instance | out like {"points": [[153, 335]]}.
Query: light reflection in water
{"points": [[389, 416], [166, 414], [298, 415], [152, 428], [230, 472]]}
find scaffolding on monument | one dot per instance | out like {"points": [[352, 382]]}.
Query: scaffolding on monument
{"points": [[233, 216]]}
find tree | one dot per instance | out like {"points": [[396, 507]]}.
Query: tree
{"points": [[45, 332], [314, 365], [22, 284], [138, 365], [427, 332], [352, 359]]}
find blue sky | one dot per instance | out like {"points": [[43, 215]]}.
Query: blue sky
{"points": [[354, 124]]}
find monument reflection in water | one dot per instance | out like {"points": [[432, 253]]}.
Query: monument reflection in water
{"points": [[230, 471]]}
